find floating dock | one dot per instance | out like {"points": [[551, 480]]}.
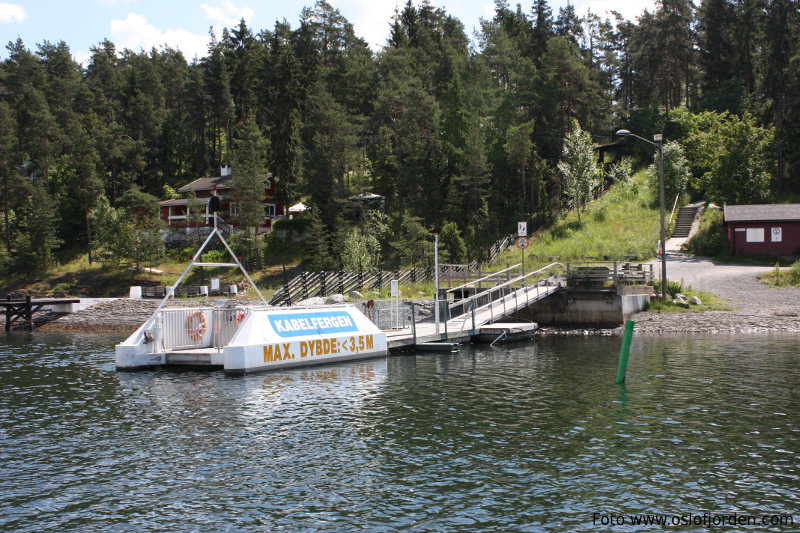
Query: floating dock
{"points": [[425, 337]]}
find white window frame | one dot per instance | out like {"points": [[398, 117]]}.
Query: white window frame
{"points": [[269, 209], [755, 235]]}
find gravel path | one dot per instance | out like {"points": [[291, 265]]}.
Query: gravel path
{"points": [[759, 308]]}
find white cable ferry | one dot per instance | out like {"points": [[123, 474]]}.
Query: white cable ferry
{"points": [[242, 339]]}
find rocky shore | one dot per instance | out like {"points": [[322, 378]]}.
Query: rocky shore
{"points": [[125, 315]]}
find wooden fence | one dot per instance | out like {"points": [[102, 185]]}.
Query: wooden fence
{"points": [[310, 284]]}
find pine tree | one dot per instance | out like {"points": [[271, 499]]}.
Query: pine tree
{"points": [[250, 155], [8, 176], [452, 248], [718, 57], [37, 240]]}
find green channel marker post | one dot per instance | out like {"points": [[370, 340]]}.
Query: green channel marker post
{"points": [[625, 351]]}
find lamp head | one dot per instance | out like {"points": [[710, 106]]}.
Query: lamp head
{"points": [[623, 132]]}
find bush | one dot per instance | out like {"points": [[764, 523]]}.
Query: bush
{"points": [[673, 287], [793, 274], [711, 238]]}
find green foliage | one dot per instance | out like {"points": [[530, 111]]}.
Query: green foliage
{"points": [[412, 243], [711, 239], [37, 240], [119, 238], [676, 171], [361, 252], [673, 287], [250, 175], [735, 156], [445, 130], [113, 232], [789, 277], [710, 302], [452, 249], [621, 171], [168, 192], [577, 166], [316, 251]]}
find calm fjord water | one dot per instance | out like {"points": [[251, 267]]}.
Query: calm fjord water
{"points": [[536, 437]]}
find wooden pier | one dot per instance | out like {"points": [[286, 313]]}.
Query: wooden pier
{"points": [[24, 308]]}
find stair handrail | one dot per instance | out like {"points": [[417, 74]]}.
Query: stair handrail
{"points": [[673, 208]]}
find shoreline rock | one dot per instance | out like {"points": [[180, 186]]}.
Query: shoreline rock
{"points": [[125, 315]]}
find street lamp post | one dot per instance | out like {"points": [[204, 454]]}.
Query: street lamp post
{"points": [[659, 142]]}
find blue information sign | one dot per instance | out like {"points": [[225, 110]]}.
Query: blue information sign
{"points": [[313, 323]]}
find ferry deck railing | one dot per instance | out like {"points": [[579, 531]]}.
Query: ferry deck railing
{"points": [[198, 327]]}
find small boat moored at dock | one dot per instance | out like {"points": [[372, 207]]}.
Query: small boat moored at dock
{"points": [[503, 332]]}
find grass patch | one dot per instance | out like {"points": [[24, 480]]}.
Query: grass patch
{"points": [[782, 277], [621, 225], [709, 302]]}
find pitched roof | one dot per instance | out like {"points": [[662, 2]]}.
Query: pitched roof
{"points": [[759, 212], [182, 201], [207, 184]]}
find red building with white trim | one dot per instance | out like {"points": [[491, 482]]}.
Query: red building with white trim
{"points": [[766, 229], [175, 212]]}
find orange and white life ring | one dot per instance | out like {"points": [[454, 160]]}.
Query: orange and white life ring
{"points": [[239, 316], [196, 325]]}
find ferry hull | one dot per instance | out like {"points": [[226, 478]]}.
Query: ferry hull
{"points": [[267, 339]]}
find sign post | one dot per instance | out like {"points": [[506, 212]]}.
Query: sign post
{"points": [[436, 280], [522, 243]]}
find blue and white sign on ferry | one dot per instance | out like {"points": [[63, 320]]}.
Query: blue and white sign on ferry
{"points": [[320, 323]]}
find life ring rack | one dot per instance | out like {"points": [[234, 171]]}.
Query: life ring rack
{"points": [[196, 325]]}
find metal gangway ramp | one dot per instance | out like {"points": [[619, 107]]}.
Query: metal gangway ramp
{"points": [[465, 317]]}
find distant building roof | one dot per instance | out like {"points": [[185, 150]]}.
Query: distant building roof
{"points": [[183, 201], [759, 212], [365, 196], [207, 184]]}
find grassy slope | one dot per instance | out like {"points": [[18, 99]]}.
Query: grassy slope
{"points": [[621, 225]]}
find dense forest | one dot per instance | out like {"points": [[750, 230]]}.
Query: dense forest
{"points": [[456, 133]]}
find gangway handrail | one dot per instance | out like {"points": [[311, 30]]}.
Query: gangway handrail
{"points": [[479, 280], [503, 285]]}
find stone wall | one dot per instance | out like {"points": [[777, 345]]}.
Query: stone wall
{"points": [[587, 307]]}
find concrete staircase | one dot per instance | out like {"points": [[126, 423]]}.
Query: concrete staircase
{"points": [[683, 224]]}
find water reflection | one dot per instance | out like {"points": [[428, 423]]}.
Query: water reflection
{"points": [[534, 437]]}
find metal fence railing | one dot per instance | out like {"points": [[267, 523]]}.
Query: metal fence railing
{"points": [[599, 274], [225, 324], [510, 295], [187, 328]]}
